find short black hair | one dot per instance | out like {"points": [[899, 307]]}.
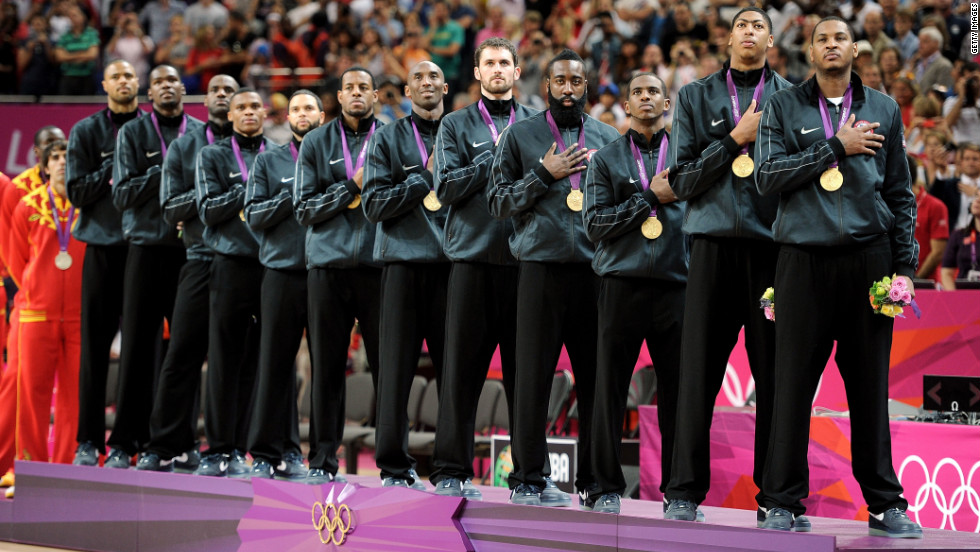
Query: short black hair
{"points": [[629, 84], [60, 145], [42, 131], [759, 11], [302, 91], [494, 42], [240, 91], [564, 55], [358, 69], [850, 31]]}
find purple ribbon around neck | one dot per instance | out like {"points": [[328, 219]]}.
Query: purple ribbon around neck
{"points": [[238, 157], [156, 126], [362, 155], [64, 233], [293, 150], [733, 94], [573, 178], [828, 125], [115, 129], [486, 119], [209, 133], [418, 142], [661, 161]]}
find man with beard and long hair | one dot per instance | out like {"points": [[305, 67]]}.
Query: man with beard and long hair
{"points": [[481, 307], [846, 219], [536, 182], [235, 286], [641, 255], [92, 142], [154, 260], [344, 282], [173, 420], [399, 196], [733, 257], [273, 438]]}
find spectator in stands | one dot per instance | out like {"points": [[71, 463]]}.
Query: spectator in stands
{"points": [[235, 41], [892, 62], [929, 65], [609, 103], [905, 39], [156, 17], [493, 26], [300, 16], [129, 43], [203, 13], [889, 15], [962, 110], [926, 116], [404, 56], [444, 39], [370, 52], [956, 27], [203, 60], [936, 159], [77, 52], [904, 90], [865, 55], [931, 225], [175, 49], [392, 103], [957, 192], [58, 20], [960, 257], [35, 60], [874, 26], [682, 68], [870, 76], [682, 25], [9, 44], [384, 19]]}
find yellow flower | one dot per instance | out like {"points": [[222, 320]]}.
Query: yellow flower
{"points": [[891, 310]]}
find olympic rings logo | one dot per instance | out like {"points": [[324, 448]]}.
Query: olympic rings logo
{"points": [[931, 489], [337, 521]]}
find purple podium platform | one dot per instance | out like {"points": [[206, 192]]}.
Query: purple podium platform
{"points": [[108, 510]]}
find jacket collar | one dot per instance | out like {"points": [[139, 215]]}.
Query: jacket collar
{"points": [[641, 141], [426, 125], [813, 91], [363, 124]]}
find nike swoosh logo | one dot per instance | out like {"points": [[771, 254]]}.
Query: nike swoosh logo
{"points": [[805, 130], [404, 168], [718, 122], [281, 466], [633, 180], [584, 495], [223, 467], [285, 180], [541, 160], [152, 154], [335, 161], [475, 145], [233, 175], [106, 153]]}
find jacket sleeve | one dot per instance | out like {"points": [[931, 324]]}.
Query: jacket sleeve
{"points": [[384, 199], [896, 191], [781, 172], [86, 173], [18, 245], [697, 169], [313, 206], [214, 204], [511, 190], [261, 210], [453, 182], [177, 193], [129, 188], [604, 219]]}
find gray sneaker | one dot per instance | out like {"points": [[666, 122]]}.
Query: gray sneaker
{"points": [[527, 495], [117, 459], [682, 510], [554, 497], [395, 482], [261, 469], [238, 467], [470, 492], [213, 465], [320, 476], [449, 487], [416, 481], [291, 467], [893, 523], [86, 455], [188, 461], [151, 461], [608, 503], [801, 524], [778, 519]]}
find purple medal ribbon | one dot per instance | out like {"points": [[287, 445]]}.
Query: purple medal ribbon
{"points": [[238, 157], [733, 94], [64, 234], [362, 155], [293, 150], [574, 178], [115, 129], [828, 126], [156, 126], [661, 161], [973, 249], [209, 133], [486, 119]]}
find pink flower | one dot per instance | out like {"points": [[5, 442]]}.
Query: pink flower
{"points": [[899, 283], [896, 294], [769, 312], [907, 298]]}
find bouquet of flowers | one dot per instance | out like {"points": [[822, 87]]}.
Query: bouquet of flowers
{"points": [[889, 295], [768, 304]]}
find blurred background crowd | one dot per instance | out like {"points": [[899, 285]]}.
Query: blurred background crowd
{"points": [[920, 52]]}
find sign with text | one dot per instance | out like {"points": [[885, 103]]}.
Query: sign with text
{"points": [[562, 451]]}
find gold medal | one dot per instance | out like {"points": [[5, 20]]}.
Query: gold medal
{"points": [[574, 200], [831, 179], [652, 228], [743, 166], [241, 215], [62, 260], [431, 202], [356, 203]]}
